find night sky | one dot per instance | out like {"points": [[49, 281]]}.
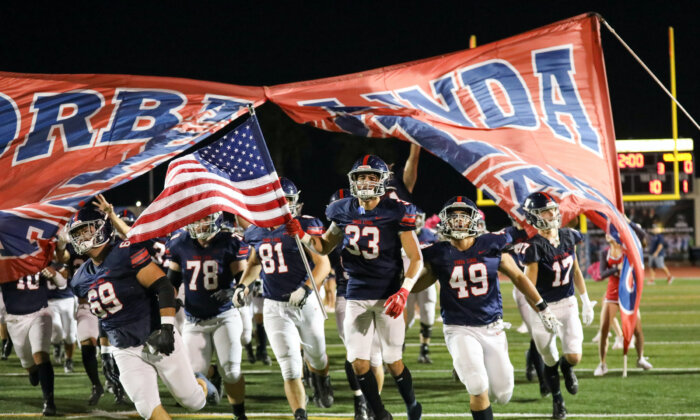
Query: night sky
{"points": [[248, 44]]}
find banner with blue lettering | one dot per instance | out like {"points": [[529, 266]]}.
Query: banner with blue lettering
{"points": [[525, 114], [64, 138]]}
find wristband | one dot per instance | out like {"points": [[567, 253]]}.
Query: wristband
{"points": [[106, 349], [541, 305], [409, 282], [167, 320]]}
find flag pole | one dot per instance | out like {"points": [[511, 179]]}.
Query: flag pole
{"points": [[311, 276]]}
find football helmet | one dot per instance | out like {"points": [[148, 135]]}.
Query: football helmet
{"points": [[127, 216], [459, 218], [206, 227], [340, 194], [88, 229], [366, 189], [537, 203], [481, 223], [291, 193]]}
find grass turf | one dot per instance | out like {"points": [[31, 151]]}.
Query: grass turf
{"points": [[671, 319]]}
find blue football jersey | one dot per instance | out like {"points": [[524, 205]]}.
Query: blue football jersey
{"points": [[283, 270], [128, 312], [519, 238], [206, 270], [555, 281], [372, 247], [26, 295], [426, 237], [469, 289]]}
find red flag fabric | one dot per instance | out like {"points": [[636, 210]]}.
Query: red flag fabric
{"points": [[234, 174], [525, 114], [65, 138]]}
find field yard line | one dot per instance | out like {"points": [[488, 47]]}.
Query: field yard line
{"points": [[442, 344], [325, 416], [265, 372]]}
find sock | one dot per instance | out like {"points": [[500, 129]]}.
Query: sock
{"points": [[424, 349], [238, 409], [90, 364], [551, 377], [486, 414], [262, 338], [564, 364], [46, 380], [536, 358], [405, 384], [370, 389], [352, 379]]}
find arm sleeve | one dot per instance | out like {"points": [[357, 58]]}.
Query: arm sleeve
{"points": [[408, 218], [175, 278], [166, 294]]}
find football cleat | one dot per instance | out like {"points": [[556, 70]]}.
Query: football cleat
{"points": [[643, 363], [263, 356], [424, 354], [324, 397], [415, 412], [601, 370], [570, 380], [97, 392], [544, 389], [559, 410], [6, 348], [68, 366], [57, 353], [250, 352], [213, 396], [300, 414], [669, 279], [49, 407], [120, 395], [361, 409]]}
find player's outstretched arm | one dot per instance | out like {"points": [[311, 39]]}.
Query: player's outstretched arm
{"points": [[410, 170], [104, 205], [322, 245]]}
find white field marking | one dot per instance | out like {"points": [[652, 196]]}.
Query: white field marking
{"points": [[442, 344], [323, 416], [266, 372]]}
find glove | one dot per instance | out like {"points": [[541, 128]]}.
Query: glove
{"points": [[256, 288], [587, 313], [293, 227], [48, 273], [162, 340], [178, 304], [238, 295], [550, 322], [396, 303], [298, 297], [223, 296], [110, 368]]}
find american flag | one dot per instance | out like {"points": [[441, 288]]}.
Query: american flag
{"points": [[234, 174]]}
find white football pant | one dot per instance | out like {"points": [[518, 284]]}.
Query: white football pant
{"points": [[570, 333], [30, 334], [64, 324], [363, 320]]}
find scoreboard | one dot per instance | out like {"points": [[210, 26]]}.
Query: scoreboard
{"points": [[647, 168]]}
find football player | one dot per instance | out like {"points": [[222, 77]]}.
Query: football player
{"points": [[533, 359], [29, 324], [373, 229], [62, 304], [135, 302], [292, 318], [207, 260], [551, 264], [335, 257], [470, 300], [425, 299]]}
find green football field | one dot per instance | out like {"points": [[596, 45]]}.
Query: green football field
{"points": [[671, 319]]}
